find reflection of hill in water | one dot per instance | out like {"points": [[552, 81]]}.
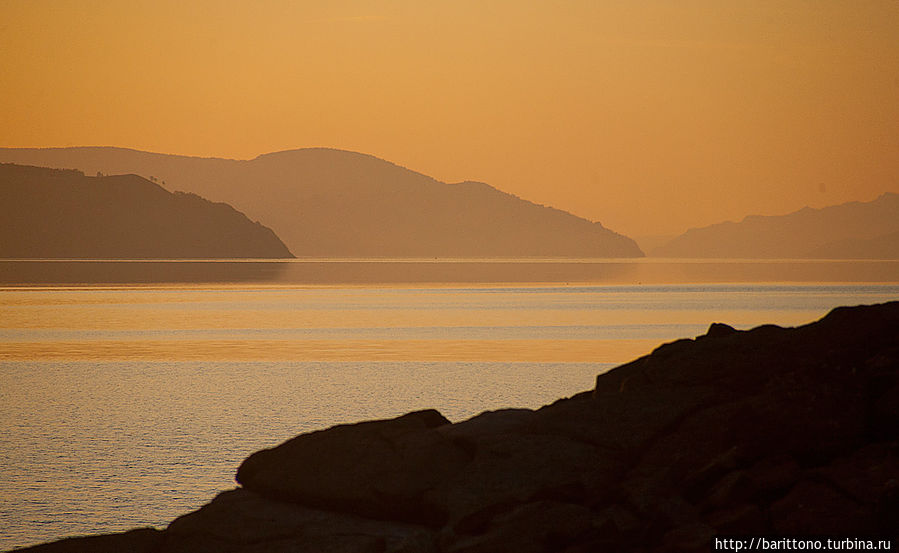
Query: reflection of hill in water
{"points": [[374, 272], [39, 272]]}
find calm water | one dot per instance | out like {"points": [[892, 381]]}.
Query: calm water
{"points": [[123, 406]]}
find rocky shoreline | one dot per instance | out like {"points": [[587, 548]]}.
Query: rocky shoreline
{"points": [[778, 431]]}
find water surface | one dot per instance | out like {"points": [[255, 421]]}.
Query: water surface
{"points": [[128, 405]]}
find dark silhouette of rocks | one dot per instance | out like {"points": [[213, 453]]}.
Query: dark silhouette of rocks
{"points": [[48, 213], [846, 231], [333, 203], [379, 469], [139, 540], [768, 431]]}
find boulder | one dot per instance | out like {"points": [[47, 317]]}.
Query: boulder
{"points": [[378, 469], [240, 521], [812, 506], [139, 540]]}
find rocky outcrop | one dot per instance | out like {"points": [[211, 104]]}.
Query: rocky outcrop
{"points": [[773, 430], [379, 469], [139, 540]]}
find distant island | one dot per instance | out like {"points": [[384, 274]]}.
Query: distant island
{"points": [[51, 213], [335, 203], [772, 431], [853, 230]]}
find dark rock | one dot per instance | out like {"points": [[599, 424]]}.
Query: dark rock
{"points": [[518, 468], [718, 330], [736, 519], [240, 521], [489, 424], [618, 522], [380, 469], [653, 496], [698, 483], [531, 528], [140, 540], [693, 537], [733, 489], [887, 508], [865, 473], [812, 506], [773, 476]]}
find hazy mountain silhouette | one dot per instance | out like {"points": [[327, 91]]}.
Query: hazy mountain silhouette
{"points": [[880, 247], [65, 214], [850, 230], [334, 203]]}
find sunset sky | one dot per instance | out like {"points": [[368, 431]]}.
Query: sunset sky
{"points": [[649, 116]]}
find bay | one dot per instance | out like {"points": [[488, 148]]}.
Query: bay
{"points": [[125, 404]]}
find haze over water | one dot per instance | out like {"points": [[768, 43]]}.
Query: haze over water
{"points": [[158, 391]]}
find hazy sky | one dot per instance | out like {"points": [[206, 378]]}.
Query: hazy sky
{"points": [[650, 116]]}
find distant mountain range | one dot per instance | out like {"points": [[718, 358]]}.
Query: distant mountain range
{"points": [[852, 230], [50, 213], [334, 203]]}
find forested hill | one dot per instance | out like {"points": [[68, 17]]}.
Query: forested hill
{"points": [[49, 213]]}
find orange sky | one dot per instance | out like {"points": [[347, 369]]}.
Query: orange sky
{"points": [[649, 116]]}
